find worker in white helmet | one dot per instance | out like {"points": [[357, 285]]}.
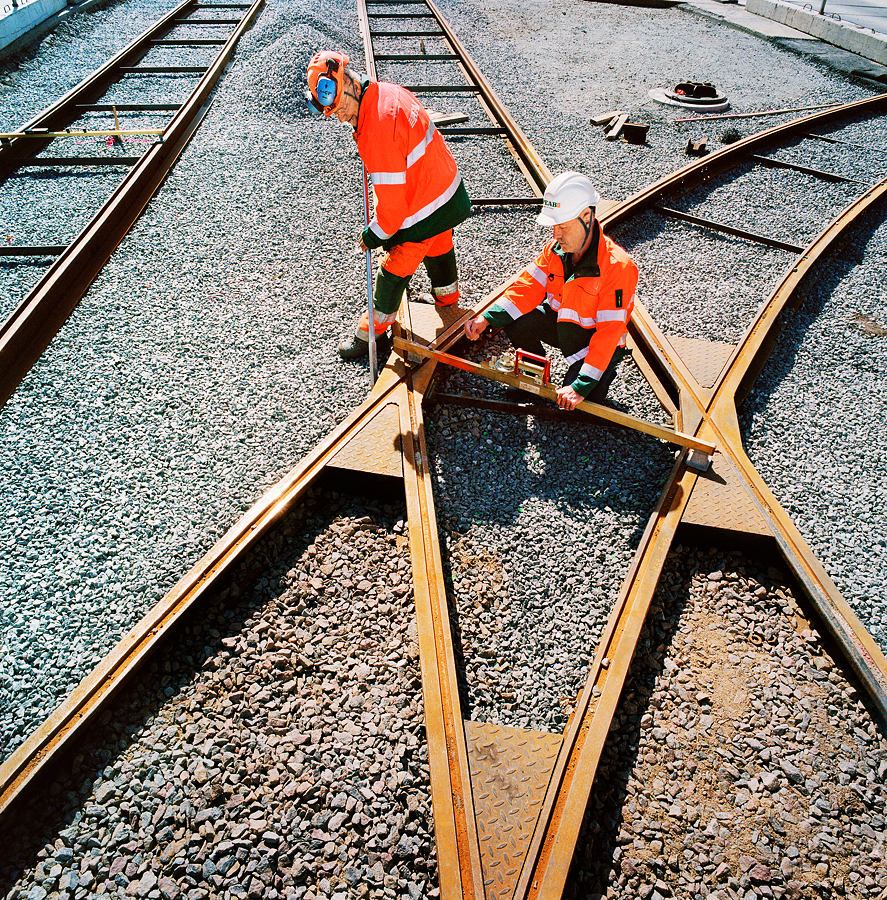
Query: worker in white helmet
{"points": [[578, 294]]}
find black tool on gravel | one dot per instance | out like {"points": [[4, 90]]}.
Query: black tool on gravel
{"points": [[701, 93]]}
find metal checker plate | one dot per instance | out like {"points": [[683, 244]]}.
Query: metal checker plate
{"points": [[429, 320], [376, 447], [510, 771], [723, 502], [704, 359]]}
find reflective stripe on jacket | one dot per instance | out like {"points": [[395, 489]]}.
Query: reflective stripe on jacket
{"points": [[417, 186], [593, 302]]}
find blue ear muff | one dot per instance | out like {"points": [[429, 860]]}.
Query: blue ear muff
{"points": [[312, 103], [326, 91]]}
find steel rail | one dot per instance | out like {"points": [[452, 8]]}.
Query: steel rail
{"points": [[69, 107], [530, 163], [46, 744], [713, 414], [90, 697], [460, 871], [708, 167], [546, 865], [550, 854], [32, 325], [865, 657]]}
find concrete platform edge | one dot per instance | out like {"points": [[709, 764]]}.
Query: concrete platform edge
{"points": [[863, 42], [32, 22], [837, 58]]}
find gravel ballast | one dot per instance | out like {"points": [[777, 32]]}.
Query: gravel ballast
{"points": [[827, 375], [201, 366], [742, 763], [276, 749], [278, 743]]}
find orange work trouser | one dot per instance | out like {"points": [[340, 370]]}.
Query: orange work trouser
{"points": [[399, 266]]}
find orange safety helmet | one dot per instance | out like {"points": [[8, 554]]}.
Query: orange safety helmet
{"points": [[326, 80]]}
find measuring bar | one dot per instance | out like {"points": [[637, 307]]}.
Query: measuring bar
{"points": [[541, 390], [36, 133]]}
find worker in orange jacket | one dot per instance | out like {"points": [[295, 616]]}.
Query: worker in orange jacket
{"points": [[578, 295], [419, 194]]}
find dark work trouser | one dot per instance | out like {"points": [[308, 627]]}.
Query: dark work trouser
{"points": [[539, 326]]}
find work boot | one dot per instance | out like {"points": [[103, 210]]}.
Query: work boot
{"points": [[384, 345], [354, 347]]}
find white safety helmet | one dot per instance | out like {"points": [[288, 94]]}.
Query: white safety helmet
{"points": [[565, 198]]}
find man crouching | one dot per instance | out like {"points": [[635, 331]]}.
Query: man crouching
{"points": [[578, 295]]}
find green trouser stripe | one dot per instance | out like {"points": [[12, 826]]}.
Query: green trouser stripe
{"points": [[442, 269], [388, 291]]}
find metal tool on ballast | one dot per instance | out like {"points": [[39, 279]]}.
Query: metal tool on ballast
{"points": [[531, 373], [9, 136]]}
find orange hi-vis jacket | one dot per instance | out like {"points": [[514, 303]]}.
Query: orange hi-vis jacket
{"points": [[417, 186], [593, 301]]}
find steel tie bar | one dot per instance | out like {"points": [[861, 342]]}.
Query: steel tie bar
{"points": [[727, 229], [772, 163], [32, 251], [418, 57], [127, 107], [193, 42], [443, 88], [42, 162], [163, 70], [407, 34]]}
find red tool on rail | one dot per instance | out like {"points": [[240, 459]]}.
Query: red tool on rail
{"points": [[538, 368]]}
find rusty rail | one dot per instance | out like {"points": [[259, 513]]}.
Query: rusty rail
{"points": [[712, 414], [392, 414], [528, 160], [33, 324], [93, 693]]}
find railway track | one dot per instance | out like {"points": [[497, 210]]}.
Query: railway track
{"points": [[30, 327], [466, 757], [396, 27]]}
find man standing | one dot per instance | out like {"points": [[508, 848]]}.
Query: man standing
{"points": [[578, 295], [418, 190]]}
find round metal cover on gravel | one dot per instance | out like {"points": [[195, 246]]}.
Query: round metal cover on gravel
{"points": [[696, 93], [661, 96]]}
